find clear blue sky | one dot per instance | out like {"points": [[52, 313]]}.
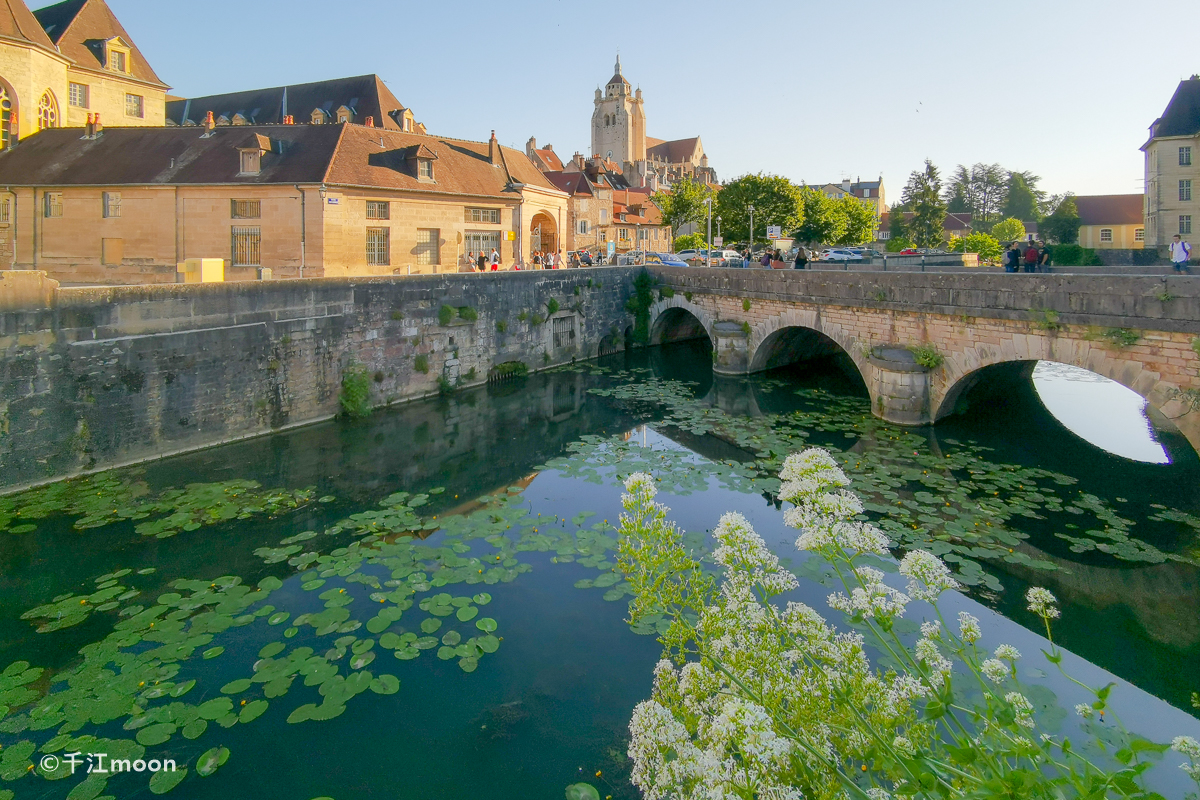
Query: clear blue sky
{"points": [[811, 90]]}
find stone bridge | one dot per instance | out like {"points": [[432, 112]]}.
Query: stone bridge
{"points": [[983, 331]]}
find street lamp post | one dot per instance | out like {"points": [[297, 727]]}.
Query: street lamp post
{"points": [[751, 232], [708, 252], [719, 227]]}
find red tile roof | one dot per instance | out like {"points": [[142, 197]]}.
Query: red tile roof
{"points": [[18, 22], [550, 159], [573, 183], [1111, 209], [80, 28]]}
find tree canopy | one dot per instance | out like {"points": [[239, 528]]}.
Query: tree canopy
{"points": [[1009, 230], [924, 193], [1062, 226], [684, 203], [1022, 197], [776, 201]]}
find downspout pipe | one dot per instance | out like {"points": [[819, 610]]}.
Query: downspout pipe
{"points": [[303, 214]]}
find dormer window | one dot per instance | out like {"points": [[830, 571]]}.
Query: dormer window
{"points": [[118, 59], [319, 117], [425, 169], [238, 119], [251, 162], [344, 115]]}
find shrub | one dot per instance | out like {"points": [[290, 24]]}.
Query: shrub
{"points": [[552, 307], [471, 374], [421, 363], [746, 304], [896, 245], [639, 306], [688, 296], [746, 328], [545, 358], [576, 292], [666, 293], [986, 246], [356, 391], [880, 295], [1009, 230], [501, 325], [795, 706], [397, 315], [691, 241], [1121, 337], [1047, 320], [1073, 255], [524, 315], [508, 369], [537, 319], [445, 314], [445, 386], [1196, 346], [927, 355], [468, 313]]}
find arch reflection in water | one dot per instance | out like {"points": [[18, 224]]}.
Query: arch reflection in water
{"points": [[1099, 410]]}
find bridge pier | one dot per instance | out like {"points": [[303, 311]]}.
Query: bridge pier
{"points": [[899, 386], [731, 348]]}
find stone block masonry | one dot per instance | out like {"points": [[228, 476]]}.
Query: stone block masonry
{"points": [[106, 376]]}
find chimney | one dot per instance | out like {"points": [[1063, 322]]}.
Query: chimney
{"points": [[494, 150], [846, 185], [530, 146], [97, 128], [370, 122], [90, 131], [289, 120], [550, 147], [209, 122], [579, 160]]}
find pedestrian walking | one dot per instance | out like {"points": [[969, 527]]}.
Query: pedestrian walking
{"points": [[481, 262], [1032, 257], [1181, 254], [495, 259], [1044, 263], [801, 259]]}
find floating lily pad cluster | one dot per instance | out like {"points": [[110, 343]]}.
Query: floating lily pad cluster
{"points": [[100, 500]]}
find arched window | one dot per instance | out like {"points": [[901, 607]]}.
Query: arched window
{"points": [[6, 116], [47, 112]]}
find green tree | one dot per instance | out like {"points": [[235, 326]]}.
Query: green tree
{"points": [[690, 241], [776, 201], [684, 202], [1009, 230], [860, 220], [824, 223], [986, 245], [1022, 197], [924, 192], [1062, 226], [981, 189], [897, 231]]}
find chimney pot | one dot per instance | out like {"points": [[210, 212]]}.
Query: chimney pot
{"points": [[370, 122], [96, 126]]}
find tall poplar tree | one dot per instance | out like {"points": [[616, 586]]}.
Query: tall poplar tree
{"points": [[923, 194]]}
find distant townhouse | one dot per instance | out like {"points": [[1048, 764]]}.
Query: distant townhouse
{"points": [[1112, 221], [1172, 200], [130, 205], [955, 225], [69, 62], [871, 191]]}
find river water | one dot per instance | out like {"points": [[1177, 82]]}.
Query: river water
{"points": [[262, 612]]}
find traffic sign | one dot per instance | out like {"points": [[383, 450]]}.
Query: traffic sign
{"points": [[718, 241], [774, 232]]}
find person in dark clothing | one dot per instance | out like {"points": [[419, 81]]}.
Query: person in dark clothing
{"points": [[1012, 259], [801, 259], [481, 262], [1032, 257], [1044, 261]]}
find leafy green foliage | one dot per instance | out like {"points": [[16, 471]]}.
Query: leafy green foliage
{"points": [[536, 319], [666, 293], [689, 241], [1196, 346], [509, 369], [745, 304], [1121, 337], [923, 193], [501, 325], [895, 245], [984, 244], [445, 315], [1073, 255], [927, 355], [522, 316], [1047, 320], [356, 391], [421, 363], [445, 385], [639, 305], [1022, 198], [468, 313], [684, 202], [552, 307], [776, 201], [746, 328], [1009, 230], [1061, 227]]}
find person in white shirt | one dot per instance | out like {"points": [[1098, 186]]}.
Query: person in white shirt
{"points": [[1181, 253]]}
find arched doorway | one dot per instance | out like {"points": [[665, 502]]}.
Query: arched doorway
{"points": [[543, 234]]}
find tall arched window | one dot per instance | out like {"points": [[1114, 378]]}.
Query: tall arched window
{"points": [[6, 115], [47, 112]]}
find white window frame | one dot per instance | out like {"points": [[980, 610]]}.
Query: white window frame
{"points": [[112, 205], [583, 227], [1185, 156], [429, 247], [379, 247], [486, 216], [79, 95], [379, 209], [52, 205], [1185, 190], [140, 105], [1185, 224], [1106, 234], [425, 169], [1139, 234]]}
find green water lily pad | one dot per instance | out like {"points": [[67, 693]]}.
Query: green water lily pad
{"points": [[252, 711], [181, 689], [278, 618], [156, 734], [290, 632], [89, 789], [468, 664], [163, 782], [216, 708], [488, 644], [445, 653], [582, 791], [452, 638], [482, 599], [385, 684], [467, 613], [211, 760], [487, 624], [271, 650], [431, 625], [236, 687], [213, 652], [195, 729]]}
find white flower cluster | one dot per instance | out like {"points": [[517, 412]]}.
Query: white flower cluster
{"points": [[995, 671], [872, 597], [1022, 707], [824, 513], [968, 628], [1042, 603], [749, 561], [927, 575], [1190, 748]]}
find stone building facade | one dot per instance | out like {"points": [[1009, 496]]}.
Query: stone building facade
{"points": [[132, 205], [68, 62], [1173, 168]]}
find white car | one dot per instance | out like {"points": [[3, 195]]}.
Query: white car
{"points": [[840, 255]]}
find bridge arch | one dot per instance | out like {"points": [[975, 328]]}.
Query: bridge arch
{"points": [[989, 368], [674, 319], [798, 334]]}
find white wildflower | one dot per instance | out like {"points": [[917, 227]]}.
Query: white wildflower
{"points": [[639, 483], [903, 745], [1007, 652], [742, 547], [904, 689], [932, 629], [1022, 707], [876, 793], [928, 654], [1186, 745], [968, 627], [995, 671], [1042, 602], [872, 597], [928, 576], [1085, 710], [813, 463], [664, 756]]}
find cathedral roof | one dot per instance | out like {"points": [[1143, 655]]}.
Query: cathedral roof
{"points": [[80, 28], [18, 22], [676, 152]]}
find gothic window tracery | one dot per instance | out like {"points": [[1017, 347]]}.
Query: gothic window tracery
{"points": [[47, 112], [6, 115]]}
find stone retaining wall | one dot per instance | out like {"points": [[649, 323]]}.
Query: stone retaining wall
{"points": [[105, 376]]}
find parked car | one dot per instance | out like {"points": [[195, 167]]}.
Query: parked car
{"points": [[839, 255], [666, 259]]}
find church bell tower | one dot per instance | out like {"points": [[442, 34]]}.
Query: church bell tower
{"points": [[619, 122]]}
